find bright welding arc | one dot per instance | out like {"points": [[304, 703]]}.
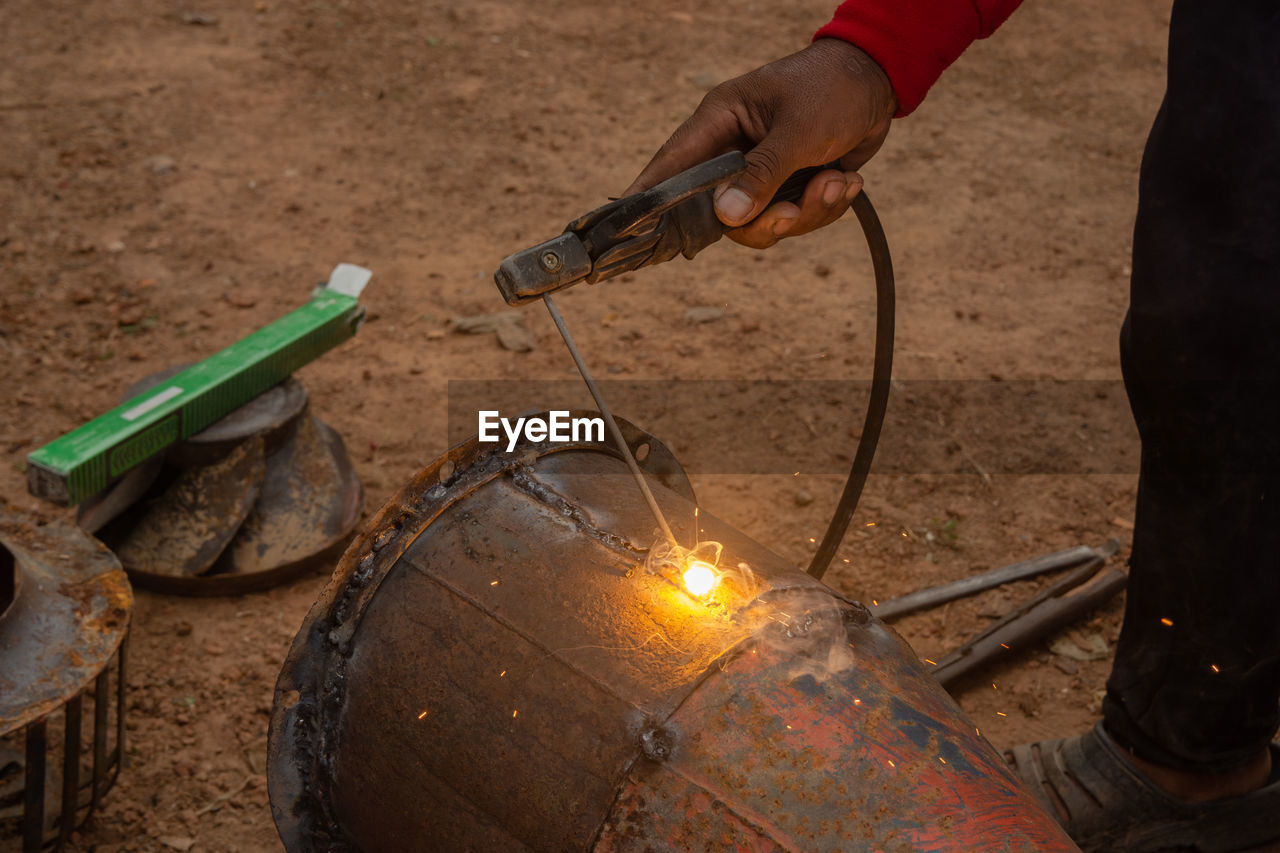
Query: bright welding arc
{"points": [[699, 578]]}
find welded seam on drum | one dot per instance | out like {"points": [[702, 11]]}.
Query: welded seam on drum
{"points": [[525, 480]]}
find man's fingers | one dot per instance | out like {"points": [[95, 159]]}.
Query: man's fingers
{"points": [[769, 227], [853, 186], [741, 199], [828, 100], [826, 198]]}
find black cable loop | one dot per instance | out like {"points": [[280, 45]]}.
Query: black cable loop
{"points": [[881, 377]]}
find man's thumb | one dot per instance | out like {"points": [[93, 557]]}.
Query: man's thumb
{"points": [[768, 164]]}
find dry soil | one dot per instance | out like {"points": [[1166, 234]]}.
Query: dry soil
{"points": [[175, 176]]}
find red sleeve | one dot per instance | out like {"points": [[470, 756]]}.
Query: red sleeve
{"points": [[915, 40]]}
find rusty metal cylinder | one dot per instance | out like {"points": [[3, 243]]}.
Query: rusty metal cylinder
{"points": [[493, 667]]}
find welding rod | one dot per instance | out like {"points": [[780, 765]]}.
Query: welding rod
{"points": [[1052, 610], [933, 596], [608, 419]]}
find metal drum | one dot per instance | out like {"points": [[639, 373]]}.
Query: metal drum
{"points": [[494, 667]]}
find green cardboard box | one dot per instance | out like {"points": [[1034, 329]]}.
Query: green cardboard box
{"points": [[89, 458]]}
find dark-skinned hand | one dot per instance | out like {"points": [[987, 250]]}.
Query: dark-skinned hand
{"points": [[825, 102]]}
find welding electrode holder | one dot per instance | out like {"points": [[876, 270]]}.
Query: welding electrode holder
{"points": [[677, 217]]}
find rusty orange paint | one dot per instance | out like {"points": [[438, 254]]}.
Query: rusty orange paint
{"points": [[768, 762]]}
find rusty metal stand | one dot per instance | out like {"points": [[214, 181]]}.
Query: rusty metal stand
{"points": [[63, 646], [78, 799]]}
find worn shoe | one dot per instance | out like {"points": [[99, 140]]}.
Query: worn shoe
{"points": [[1105, 805]]}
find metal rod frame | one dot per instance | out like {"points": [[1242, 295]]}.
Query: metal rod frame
{"points": [[79, 800]]}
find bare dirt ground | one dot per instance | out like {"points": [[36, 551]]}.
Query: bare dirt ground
{"points": [[428, 140]]}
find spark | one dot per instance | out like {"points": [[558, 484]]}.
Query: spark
{"points": [[857, 701], [931, 662], [493, 583], [1214, 667], [993, 686], [846, 559], [891, 764], [943, 760], [513, 714], [423, 714], [1167, 622], [1004, 645], [811, 539], [875, 603], [1001, 714], [700, 578], [788, 728], [977, 731], [503, 673], [871, 524]]}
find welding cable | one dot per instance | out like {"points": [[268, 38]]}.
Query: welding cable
{"points": [[881, 377]]}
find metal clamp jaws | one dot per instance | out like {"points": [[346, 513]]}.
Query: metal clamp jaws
{"points": [[650, 227]]}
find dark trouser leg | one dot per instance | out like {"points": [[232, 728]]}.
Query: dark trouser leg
{"points": [[1201, 357]]}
